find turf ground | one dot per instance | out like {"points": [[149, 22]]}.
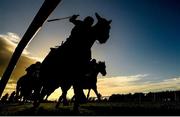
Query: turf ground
{"points": [[95, 108]]}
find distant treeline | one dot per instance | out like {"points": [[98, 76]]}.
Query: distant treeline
{"points": [[164, 96]]}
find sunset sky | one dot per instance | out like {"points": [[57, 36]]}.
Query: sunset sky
{"points": [[141, 55]]}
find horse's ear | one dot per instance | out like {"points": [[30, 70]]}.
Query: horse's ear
{"points": [[109, 21], [98, 16]]}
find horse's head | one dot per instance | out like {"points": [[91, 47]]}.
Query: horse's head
{"points": [[102, 29], [101, 68]]}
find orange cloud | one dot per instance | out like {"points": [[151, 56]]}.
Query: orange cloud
{"points": [[8, 43], [134, 83]]}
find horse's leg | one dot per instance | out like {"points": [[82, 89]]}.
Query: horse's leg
{"points": [[47, 95], [65, 102], [17, 91], [79, 97], [73, 98], [59, 101], [62, 97], [76, 102], [97, 94], [65, 88], [23, 99], [37, 97], [88, 94], [45, 91]]}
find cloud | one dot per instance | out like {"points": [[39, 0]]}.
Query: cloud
{"points": [[167, 84], [121, 80], [8, 43], [10, 40], [135, 83]]}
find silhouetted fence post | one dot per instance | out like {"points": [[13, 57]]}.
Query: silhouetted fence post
{"points": [[42, 15]]}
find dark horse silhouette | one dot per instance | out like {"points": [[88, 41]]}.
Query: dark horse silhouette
{"points": [[68, 64], [89, 82], [25, 87], [28, 83]]}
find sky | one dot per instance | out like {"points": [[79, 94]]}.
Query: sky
{"points": [[141, 55]]}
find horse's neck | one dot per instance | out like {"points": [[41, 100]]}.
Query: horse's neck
{"points": [[95, 73], [91, 42]]}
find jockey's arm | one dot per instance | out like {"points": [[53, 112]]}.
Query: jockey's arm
{"points": [[74, 20]]}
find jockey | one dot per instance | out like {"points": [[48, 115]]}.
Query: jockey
{"points": [[80, 27], [91, 68], [34, 69], [80, 33]]}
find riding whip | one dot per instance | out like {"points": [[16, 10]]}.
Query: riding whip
{"points": [[51, 20]]}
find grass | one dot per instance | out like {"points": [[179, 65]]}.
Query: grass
{"points": [[101, 108]]}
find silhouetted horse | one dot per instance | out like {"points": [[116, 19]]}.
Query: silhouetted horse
{"points": [[12, 97], [69, 63], [25, 87], [88, 82], [4, 98], [28, 83]]}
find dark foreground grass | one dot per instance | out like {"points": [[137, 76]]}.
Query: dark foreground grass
{"points": [[102, 108]]}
